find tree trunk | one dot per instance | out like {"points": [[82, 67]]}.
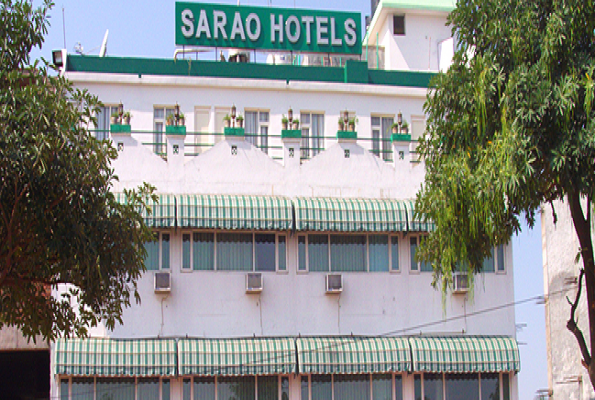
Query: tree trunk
{"points": [[582, 226]]}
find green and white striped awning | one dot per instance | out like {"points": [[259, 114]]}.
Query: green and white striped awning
{"points": [[112, 357], [161, 214], [232, 357], [465, 354], [235, 212], [351, 215], [416, 222], [353, 355]]}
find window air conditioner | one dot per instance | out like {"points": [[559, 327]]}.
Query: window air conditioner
{"points": [[460, 282], [334, 283], [254, 282], [162, 282]]}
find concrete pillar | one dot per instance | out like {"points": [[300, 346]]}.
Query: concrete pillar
{"points": [[291, 152], [175, 150], [401, 152]]}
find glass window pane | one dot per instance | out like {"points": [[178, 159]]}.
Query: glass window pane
{"points": [[432, 386], [82, 389], [417, 387], [234, 251], [412, 251], [488, 263], [321, 387], [64, 389], [399, 387], [115, 389], [505, 387], [305, 392], [490, 387], [186, 389], [301, 253], [268, 388], [348, 253], [352, 387], [158, 113], [203, 251], [236, 388], [375, 121], [264, 116], [282, 255], [265, 251], [148, 388], [165, 251], [165, 390], [394, 246], [382, 387], [285, 388], [378, 249], [186, 251], [152, 257], [204, 388], [305, 119], [318, 253], [462, 386], [500, 258]]}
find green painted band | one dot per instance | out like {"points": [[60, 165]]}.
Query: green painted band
{"points": [[346, 135], [291, 134]]}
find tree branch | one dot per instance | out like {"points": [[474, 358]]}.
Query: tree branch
{"points": [[573, 327]]}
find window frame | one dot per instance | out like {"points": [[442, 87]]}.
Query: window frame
{"points": [[258, 137], [111, 109], [395, 33], [215, 241], [160, 234], [215, 378], [69, 379], [160, 147], [385, 155], [501, 382], [370, 376], [367, 235], [308, 151], [412, 261]]}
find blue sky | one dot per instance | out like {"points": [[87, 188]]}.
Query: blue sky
{"points": [[146, 29]]}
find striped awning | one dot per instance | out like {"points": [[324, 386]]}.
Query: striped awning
{"points": [[465, 354], [232, 357], [112, 357], [416, 222], [353, 355], [351, 215], [235, 212], [161, 214]]}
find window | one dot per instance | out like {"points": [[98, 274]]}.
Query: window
{"points": [[312, 133], [115, 388], [346, 386], [202, 136], [495, 261], [461, 386], [225, 251], [381, 131], [399, 24], [236, 388], [257, 129], [417, 265], [103, 121], [348, 253], [160, 115], [157, 252]]}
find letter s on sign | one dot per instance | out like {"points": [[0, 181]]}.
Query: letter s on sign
{"points": [[350, 32], [188, 21]]}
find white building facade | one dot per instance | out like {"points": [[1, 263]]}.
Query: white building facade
{"points": [[287, 254]]}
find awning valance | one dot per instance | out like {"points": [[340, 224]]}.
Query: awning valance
{"points": [[351, 215], [235, 212], [353, 355], [112, 357], [162, 214], [465, 354], [242, 356]]}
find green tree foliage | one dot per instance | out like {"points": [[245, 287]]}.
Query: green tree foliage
{"points": [[511, 126], [59, 223]]}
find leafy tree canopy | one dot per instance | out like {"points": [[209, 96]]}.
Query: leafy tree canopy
{"points": [[59, 223], [511, 126]]}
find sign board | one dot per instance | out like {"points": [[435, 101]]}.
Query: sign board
{"points": [[268, 28]]}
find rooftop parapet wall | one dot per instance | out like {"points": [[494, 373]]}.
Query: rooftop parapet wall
{"points": [[353, 72]]}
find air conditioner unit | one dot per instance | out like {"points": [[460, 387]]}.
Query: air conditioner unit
{"points": [[162, 282], [460, 282], [334, 283], [254, 282]]}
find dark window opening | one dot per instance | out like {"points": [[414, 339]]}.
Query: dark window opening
{"points": [[399, 24]]}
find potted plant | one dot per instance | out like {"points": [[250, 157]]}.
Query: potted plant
{"points": [[240, 121], [115, 118], [126, 118], [284, 122], [352, 123], [181, 119], [170, 120], [341, 124], [295, 124], [395, 127], [405, 127], [227, 121]]}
